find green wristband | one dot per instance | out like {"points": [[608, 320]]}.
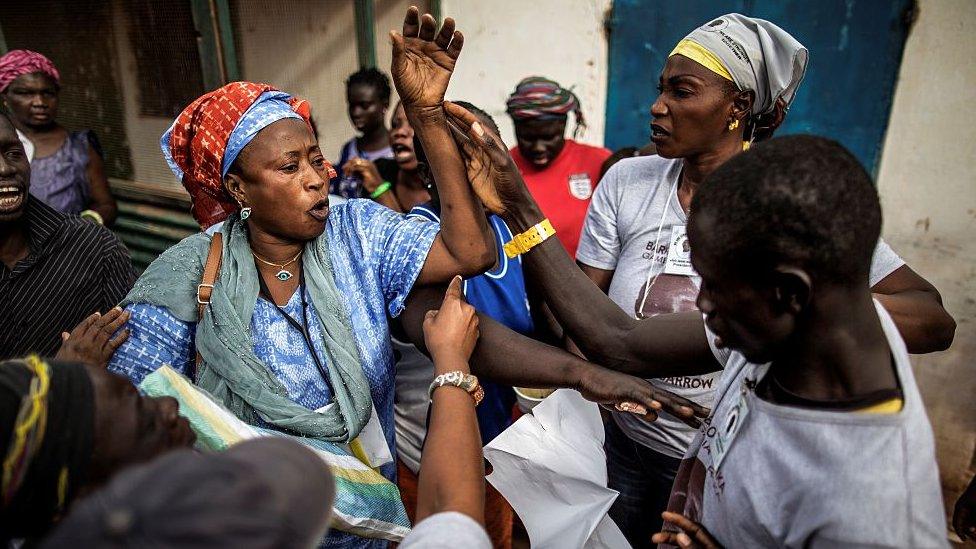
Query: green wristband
{"points": [[381, 189]]}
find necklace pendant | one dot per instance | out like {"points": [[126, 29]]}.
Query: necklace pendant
{"points": [[283, 275]]}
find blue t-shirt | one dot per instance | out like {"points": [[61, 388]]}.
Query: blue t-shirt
{"points": [[377, 255], [501, 295]]}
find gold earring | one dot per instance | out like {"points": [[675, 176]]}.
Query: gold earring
{"points": [[733, 124]]}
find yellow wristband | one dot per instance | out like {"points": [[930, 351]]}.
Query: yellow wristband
{"points": [[537, 234], [93, 215]]}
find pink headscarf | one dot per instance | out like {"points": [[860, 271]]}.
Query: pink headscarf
{"points": [[18, 62]]}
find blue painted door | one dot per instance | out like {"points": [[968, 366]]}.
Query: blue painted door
{"points": [[855, 51]]}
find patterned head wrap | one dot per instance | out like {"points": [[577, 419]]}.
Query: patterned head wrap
{"points": [[753, 53], [541, 98], [18, 62], [47, 423], [210, 133]]}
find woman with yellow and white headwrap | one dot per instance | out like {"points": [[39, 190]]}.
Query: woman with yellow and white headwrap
{"points": [[727, 84]]}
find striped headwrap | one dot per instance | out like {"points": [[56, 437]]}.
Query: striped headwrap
{"points": [[207, 136], [540, 98], [47, 423]]}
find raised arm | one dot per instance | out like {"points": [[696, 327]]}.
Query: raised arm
{"points": [[422, 67], [661, 346]]}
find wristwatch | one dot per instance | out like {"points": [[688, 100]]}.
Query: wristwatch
{"points": [[460, 379]]}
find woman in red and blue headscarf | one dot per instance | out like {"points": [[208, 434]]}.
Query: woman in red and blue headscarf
{"points": [[295, 334]]}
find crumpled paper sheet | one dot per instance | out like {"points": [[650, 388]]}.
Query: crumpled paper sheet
{"points": [[550, 465]]}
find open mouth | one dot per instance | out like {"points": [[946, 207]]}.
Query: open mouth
{"points": [[11, 198], [657, 132], [320, 211], [402, 152]]}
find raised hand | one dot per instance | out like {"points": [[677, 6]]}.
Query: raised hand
{"points": [[423, 62], [692, 534], [491, 170], [92, 341], [451, 332], [627, 393], [366, 171]]}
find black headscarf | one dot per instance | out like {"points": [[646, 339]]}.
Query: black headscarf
{"points": [[46, 430]]}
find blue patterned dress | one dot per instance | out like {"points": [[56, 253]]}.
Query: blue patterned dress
{"points": [[377, 255]]}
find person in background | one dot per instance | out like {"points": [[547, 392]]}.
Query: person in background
{"points": [[65, 430], [56, 270], [68, 170], [710, 107], [560, 173], [400, 183], [368, 98], [500, 294]]}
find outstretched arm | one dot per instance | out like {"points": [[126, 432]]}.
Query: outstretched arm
{"points": [[662, 346], [509, 358], [422, 67]]}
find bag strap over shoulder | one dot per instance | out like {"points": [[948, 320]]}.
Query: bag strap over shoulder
{"points": [[211, 270]]}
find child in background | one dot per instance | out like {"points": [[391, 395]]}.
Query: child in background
{"points": [[368, 97]]}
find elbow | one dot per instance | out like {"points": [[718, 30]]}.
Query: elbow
{"points": [[477, 261], [933, 335], [606, 344], [941, 326], [942, 332]]}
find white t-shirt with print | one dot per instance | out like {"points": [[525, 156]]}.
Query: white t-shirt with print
{"points": [[633, 218]]}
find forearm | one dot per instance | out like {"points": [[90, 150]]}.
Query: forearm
{"points": [[389, 200], [464, 226], [509, 358], [921, 320], [452, 475], [595, 323], [666, 345], [108, 210]]}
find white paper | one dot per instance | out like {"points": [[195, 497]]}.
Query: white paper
{"points": [[372, 447], [551, 467]]}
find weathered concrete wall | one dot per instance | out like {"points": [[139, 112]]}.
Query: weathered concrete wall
{"points": [[507, 40], [928, 188]]}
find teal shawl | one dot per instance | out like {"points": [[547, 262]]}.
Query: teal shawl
{"points": [[230, 370]]}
